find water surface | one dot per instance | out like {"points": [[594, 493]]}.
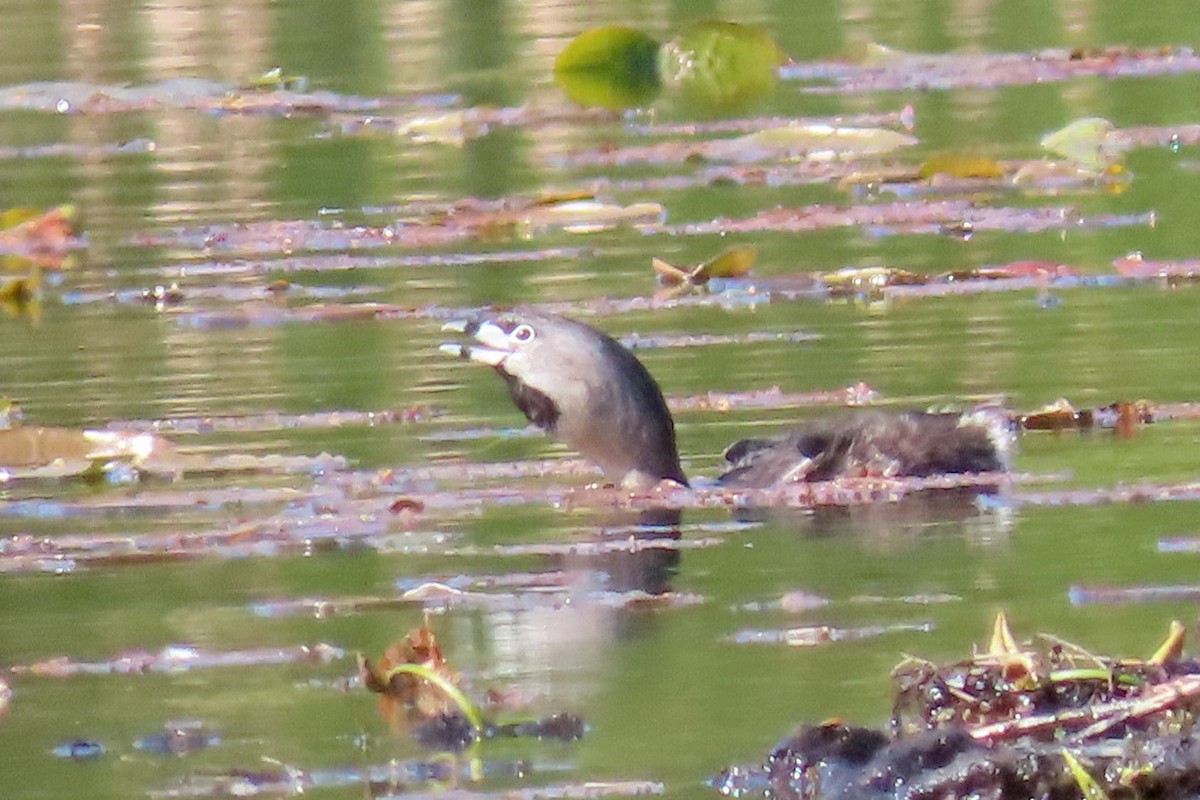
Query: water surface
{"points": [[235, 378]]}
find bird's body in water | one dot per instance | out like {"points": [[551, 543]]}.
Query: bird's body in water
{"points": [[586, 389]]}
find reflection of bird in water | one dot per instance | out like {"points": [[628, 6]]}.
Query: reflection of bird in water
{"points": [[583, 387]]}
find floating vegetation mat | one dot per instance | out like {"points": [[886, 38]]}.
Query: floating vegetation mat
{"points": [[1038, 719]]}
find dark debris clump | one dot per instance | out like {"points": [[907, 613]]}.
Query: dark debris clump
{"points": [[1043, 719]]}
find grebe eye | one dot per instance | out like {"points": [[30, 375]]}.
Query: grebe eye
{"points": [[523, 333]]}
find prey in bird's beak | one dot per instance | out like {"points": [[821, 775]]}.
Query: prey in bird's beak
{"points": [[491, 346]]}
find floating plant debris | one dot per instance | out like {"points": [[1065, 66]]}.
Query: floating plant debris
{"points": [[1089, 142], [274, 80], [1137, 494], [904, 118], [910, 218], [181, 658], [1086, 595], [911, 599], [453, 733], [75, 97], [1179, 544], [347, 262], [597, 548], [178, 738], [287, 533], [857, 281], [399, 779], [857, 395], [959, 165], [78, 150], [814, 635], [25, 232], [456, 126], [735, 262], [870, 284], [144, 501], [512, 218], [1122, 417], [814, 141], [30, 450], [655, 341], [559, 727], [1171, 273], [415, 684], [813, 145], [800, 601], [418, 691], [268, 314], [1039, 719], [279, 421], [886, 69], [79, 749], [21, 296], [324, 608], [793, 602]]}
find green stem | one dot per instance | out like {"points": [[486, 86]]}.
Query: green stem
{"points": [[1092, 674], [449, 689]]}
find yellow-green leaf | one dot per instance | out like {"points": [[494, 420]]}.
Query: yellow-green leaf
{"points": [[721, 66], [733, 263], [1088, 142], [960, 165], [1087, 784], [613, 66]]}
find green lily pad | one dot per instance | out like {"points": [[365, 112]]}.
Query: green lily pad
{"points": [[613, 66], [721, 66]]}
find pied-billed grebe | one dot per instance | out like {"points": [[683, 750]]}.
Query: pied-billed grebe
{"points": [[583, 387]]}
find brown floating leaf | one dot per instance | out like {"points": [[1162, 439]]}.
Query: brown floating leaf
{"points": [[76, 450], [405, 696], [671, 275], [1017, 269], [1122, 416], [1136, 266], [49, 232], [1056, 416], [735, 262]]}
